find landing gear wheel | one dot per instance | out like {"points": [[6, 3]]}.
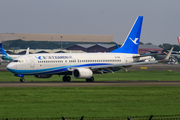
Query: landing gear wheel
{"points": [[22, 79], [87, 80], [90, 79], [66, 78]]}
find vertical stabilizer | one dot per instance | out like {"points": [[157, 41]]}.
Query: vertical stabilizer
{"points": [[2, 51], [131, 43], [178, 41]]}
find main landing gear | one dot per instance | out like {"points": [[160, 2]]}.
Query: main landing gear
{"points": [[90, 79], [66, 78], [22, 79]]}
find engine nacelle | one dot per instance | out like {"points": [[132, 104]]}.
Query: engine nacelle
{"points": [[82, 73], [42, 76]]}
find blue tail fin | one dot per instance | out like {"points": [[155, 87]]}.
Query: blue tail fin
{"points": [[131, 43], [2, 51]]}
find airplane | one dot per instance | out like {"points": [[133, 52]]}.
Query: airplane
{"points": [[5, 56], [173, 58], [81, 65]]}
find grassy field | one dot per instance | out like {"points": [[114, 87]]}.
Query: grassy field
{"points": [[119, 75], [46, 102]]}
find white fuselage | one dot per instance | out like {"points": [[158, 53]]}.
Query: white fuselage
{"points": [[61, 62]]}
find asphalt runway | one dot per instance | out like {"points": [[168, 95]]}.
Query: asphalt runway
{"points": [[84, 84]]}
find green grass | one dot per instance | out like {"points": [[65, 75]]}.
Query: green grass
{"points": [[46, 102], [119, 75]]}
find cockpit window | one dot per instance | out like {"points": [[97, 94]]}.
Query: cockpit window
{"points": [[15, 60], [18, 61], [21, 61]]}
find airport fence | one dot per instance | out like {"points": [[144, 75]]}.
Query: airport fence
{"points": [[152, 117]]}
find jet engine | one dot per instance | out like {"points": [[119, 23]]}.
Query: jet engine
{"points": [[82, 73], [42, 76]]}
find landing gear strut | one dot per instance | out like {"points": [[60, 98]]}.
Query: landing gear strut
{"points": [[90, 79], [66, 78], [22, 79]]}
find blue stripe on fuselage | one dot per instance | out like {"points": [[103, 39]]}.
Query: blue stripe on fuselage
{"points": [[53, 70]]}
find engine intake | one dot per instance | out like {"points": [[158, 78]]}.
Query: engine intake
{"points": [[82, 73], [42, 76]]}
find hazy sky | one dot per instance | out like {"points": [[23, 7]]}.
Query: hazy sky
{"points": [[161, 22]]}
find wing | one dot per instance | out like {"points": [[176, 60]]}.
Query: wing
{"points": [[111, 68]]}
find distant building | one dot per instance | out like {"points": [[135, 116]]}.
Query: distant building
{"points": [[93, 47], [102, 48], [34, 51], [82, 47], [149, 48], [110, 47]]}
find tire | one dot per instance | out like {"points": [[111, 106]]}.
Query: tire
{"points": [[68, 78], [87, 80], [92, 79], [22, 79], [64, 79]]}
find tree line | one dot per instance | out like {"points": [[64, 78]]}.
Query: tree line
{"points": [[167, 47]]}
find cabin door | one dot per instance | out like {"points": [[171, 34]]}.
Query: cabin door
{"points": [[32, 62], [125, 58]]}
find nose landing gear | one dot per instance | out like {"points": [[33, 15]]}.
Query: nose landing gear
{"points": [[20, 75], [22, 79]]}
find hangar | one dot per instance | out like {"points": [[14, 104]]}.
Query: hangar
{"points": [[149, 48], [93, 47], [109, 47], [34, 51], [55, 37]]}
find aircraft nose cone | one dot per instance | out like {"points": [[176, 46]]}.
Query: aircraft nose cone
{"points": [[10, 67]]}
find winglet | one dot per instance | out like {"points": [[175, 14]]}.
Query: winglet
{"points": [[27, 51], [131, 43], [168, 55]]}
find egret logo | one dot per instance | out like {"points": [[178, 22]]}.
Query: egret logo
{"points": [[38, 57], [135, 40]]}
